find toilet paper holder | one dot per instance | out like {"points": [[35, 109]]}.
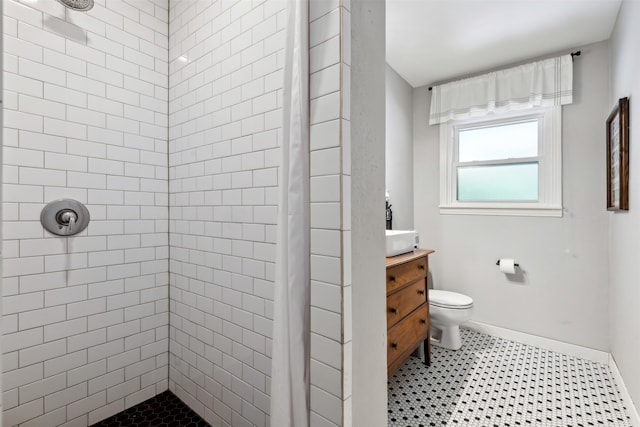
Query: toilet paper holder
{"points": [[515, 264]]}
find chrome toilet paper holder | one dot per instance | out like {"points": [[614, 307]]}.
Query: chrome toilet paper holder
{"points": [[515, 264]]}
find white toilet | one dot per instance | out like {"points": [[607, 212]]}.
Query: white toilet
{"points": [[447, 310]]}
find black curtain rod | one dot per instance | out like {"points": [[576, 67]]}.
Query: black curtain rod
{"points": [[573, 55]]}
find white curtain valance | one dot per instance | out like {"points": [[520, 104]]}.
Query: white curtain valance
{"points": [[537, 84]]}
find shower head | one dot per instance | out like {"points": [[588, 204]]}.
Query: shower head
{"points": [[82, 5]]}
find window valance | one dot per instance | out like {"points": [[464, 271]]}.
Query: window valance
{"points": [[537, 84]]}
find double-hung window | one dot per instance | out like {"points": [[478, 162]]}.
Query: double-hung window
{"points": [[502, 164]]}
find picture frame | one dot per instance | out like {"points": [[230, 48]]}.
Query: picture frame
{"points": [[618, 157]]}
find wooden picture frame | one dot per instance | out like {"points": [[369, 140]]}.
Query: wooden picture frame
{"points": [[618, 157]]}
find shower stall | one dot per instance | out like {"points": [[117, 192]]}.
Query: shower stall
{"points": [[164, 119]]}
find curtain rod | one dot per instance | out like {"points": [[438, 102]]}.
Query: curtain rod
{"points": [[573, 55]]}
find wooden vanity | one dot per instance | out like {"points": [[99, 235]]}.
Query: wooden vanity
{"points": [[407, 307]]}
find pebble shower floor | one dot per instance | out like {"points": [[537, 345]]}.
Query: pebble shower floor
{"points": [[496, 382]]}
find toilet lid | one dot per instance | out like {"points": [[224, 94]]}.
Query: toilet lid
{"points": [[448, 299]]}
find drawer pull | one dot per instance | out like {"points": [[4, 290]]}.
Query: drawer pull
{"points": [[421, 266], [392, 278], [421, 291], [394, 345], [422, 321], [393, 310]]}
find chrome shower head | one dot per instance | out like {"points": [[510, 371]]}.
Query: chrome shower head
{"points": [[82, 5]]}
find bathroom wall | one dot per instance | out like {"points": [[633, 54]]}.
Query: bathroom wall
{"points": [[563, 293], [624, 277], [85, 115], [399, 148], [225, 69], [366, 260]]}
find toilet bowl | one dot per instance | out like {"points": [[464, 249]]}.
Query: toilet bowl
{"points": [[447, 310]]}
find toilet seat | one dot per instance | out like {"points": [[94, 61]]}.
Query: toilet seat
{"points": [[450, 300]]}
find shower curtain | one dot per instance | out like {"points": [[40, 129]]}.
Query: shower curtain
{"points": [[290, 355]]}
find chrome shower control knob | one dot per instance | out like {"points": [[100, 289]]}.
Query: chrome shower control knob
{"points": [[65, 217]]}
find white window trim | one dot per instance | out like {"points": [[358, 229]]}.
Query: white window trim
{"points": [[550, 169]]}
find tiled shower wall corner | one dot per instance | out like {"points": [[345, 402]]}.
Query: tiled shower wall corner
{"points": [[226, 74], [330, 213], [85, 318]]}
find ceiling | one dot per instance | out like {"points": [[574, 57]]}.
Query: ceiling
{"points": [[432, 41]]}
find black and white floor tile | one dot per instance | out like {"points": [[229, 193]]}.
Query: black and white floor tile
{"points": [[496, 382]]}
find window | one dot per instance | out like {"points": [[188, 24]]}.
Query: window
{"points": [[503, 164]]}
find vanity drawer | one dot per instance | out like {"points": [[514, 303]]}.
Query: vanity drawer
{"points": [[400, 275], [403, 302], [407, 335]]}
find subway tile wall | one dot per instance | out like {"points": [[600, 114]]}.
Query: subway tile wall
{"points": [[85, 318], [329, 40], [226, 73]]}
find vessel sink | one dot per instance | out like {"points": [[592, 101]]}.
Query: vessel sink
{"points": [[400, 241]]}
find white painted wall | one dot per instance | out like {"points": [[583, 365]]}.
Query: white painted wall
{"points": [[367, 194], [399, 148], [85, 115], [564, 293], [624, 242]]}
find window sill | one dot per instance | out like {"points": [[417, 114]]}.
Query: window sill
{"points": [[504, 210]]}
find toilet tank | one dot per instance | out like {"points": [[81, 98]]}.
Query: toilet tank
{"points": [[400, 242]]}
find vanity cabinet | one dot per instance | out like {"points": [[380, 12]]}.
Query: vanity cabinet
{"points": [[407, 307]]}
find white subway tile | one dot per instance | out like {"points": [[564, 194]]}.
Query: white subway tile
{"points": [[42, 352], [42, 177], [23, 48], [57, 417], [65, 363], [23, 413], [23, 194], [87, 339], [42, 388], [65, 397], [318, 8], [40, 37], [85, 308], [41, 72], [324, 54], [46, 316], [65, 62], [42, 142], [20, 120], [19, 340], [65, 295], [22, 266], [19, 377]]}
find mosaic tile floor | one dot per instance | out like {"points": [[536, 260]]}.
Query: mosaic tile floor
{"points": [[496, 382], [164, 410]]}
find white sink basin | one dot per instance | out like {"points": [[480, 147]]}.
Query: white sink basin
{"points": [[400, 241]]}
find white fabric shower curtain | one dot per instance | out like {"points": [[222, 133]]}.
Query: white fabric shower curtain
{"points": [[291, 326]]}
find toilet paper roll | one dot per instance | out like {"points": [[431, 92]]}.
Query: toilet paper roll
{"points": [[507, 265]]}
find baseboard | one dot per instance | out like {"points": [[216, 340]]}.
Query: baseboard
{"points": [[591, 354], [626, 398]]}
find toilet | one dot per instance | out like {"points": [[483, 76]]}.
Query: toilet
{"points": [[447, 310]]}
